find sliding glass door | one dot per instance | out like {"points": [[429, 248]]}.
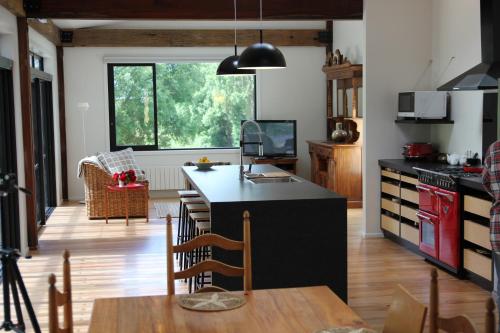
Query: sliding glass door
{"points": [[9, 208], [43, 145]]}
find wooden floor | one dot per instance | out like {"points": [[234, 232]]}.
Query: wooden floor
{"points": [[115, 260]]}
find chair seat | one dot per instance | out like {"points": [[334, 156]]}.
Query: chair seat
{"points": [[194, 208], [203, 226], [188, 193], [189, 200], [200, 216]]}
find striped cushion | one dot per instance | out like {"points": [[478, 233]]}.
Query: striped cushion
{"points": [[118, 161]]}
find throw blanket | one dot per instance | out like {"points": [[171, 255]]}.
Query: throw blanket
{"points": [[89, 159]]}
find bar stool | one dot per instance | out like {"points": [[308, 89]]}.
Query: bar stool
{"points": [[199, 220], [181, 227], [188, 230], [202, 227]]}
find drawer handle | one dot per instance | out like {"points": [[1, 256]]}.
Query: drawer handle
{"points": [[446, 195], [423, 217], [424, 189]]}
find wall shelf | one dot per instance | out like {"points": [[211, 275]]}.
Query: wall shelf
{"points": [[424, 121]]}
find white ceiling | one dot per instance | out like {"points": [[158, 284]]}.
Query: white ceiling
{"points": [[163, 24]]}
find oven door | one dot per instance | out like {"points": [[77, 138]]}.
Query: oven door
{"points": [[427, 200], [429, 233], [449, 227]]}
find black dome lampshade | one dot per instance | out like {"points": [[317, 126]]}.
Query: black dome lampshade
{"points": [[229, 66], [261, 56]]}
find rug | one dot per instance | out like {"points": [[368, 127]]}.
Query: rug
{"points": [[164, 208]]}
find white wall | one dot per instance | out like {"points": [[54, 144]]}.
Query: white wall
{"points": [[456, 47], [397, 56], [466, 133], [9, 49], [297, 92]]}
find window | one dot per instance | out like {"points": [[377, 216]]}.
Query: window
{"points": [[36, 61], [177, 106]]}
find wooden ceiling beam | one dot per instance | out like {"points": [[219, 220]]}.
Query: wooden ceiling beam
{"points": [[14, 6], [49, 30], [195, 9], [189, 38]]}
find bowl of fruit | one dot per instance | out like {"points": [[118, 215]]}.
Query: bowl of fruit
{"points": [[204, 163]]}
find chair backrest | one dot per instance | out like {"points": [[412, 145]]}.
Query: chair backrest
{"points": [[209, 264], [405, 314], [57, 299], [460, 323]]}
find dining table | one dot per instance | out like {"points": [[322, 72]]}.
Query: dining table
{"points": [[302, 309]]}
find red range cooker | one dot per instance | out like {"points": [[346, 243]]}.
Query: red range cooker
{"points": [[439, 214]]}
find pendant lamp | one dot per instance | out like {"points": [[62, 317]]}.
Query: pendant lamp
{"points": [[261, 55], [229, 66]]}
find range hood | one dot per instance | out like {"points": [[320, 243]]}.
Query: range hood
{"points": [[485, 75]]}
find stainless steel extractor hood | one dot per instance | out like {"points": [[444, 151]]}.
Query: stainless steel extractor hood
{"points": [[486, 74]]}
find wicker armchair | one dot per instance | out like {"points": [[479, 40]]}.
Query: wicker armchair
{"points": [[96, 180]]}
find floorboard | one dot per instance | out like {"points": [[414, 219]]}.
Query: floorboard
{"points": [[114, 260]]}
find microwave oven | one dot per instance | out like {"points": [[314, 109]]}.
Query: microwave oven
{"points": [[423, 104]]}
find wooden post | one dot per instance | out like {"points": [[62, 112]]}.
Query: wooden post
{"points": [[247, 253], [29, 167], [433, 303], [62, 121], [170, 258], [53, 318], [68, 307]]}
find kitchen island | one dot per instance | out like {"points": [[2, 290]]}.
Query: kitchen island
{"points": [[298, 229]]}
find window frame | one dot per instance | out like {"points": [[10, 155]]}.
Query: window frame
{"points": [[112, 117], [155, 146]]}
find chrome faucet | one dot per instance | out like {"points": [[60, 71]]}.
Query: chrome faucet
{"points": [[242, 142]]}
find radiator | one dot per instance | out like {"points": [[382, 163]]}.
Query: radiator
{"points": [[165, 178]]}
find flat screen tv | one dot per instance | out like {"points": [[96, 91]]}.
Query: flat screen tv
{"points": [[279, 138]]}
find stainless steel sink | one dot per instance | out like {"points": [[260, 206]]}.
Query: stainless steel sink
{"points": [[264, 180]]}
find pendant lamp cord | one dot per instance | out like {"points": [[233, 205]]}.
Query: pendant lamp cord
{"points": [[261, 21], [235, 23]]}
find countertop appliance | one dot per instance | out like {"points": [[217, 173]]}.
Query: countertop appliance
{"points": [[417, 150], [423, 105], [439, 214]]}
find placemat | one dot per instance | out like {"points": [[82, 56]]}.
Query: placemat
{"points": [[213, 301], [345, 330]]}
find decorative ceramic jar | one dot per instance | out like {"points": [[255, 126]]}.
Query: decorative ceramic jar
{"points": [[339, 135]]}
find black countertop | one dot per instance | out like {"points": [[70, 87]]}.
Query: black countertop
{"points": [[222, 184], [407, 167]]}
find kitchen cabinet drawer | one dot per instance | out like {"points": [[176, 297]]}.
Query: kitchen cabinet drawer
{"points": [[390, 189], [409, 180], [390, 174], [389, 224], [477, 263], [410, 234], [409, 195], [390, 206], [477, 206], [409, 213], [477, 234]]}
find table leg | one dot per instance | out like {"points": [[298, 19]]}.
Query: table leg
{"points": [[146, 199], [126, 207], [106, 202]]}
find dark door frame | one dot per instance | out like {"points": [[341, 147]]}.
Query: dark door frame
{"points": [[9, 215]]}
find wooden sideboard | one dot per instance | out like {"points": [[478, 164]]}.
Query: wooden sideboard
{"points": [[338, 168]]}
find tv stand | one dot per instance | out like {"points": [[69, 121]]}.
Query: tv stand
{"points": [[286, 163]]}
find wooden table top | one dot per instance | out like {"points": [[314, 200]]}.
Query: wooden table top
{"points": [[306, 309]]}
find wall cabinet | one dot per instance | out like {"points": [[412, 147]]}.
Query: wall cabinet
{"points": [[338, 168]]}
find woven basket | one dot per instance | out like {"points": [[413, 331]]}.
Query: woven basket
{"points": [[96, 180]]}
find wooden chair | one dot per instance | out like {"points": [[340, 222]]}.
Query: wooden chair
{"points": [[57, 299], [458, 324], [210, 265], [405, 314]]}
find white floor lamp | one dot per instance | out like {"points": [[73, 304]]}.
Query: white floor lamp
{"points": [[83, 107]]}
